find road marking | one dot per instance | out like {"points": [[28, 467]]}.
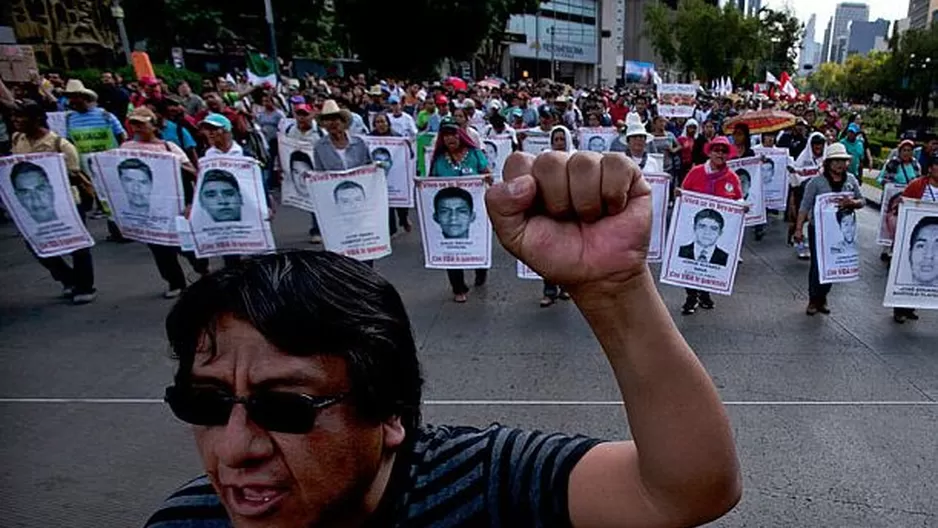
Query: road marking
{"points": [[508, 403]]}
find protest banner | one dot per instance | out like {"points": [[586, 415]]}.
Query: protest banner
{"points": [[889, 213], [497, 149], [677, 100], [748, 170], [424, 148], [395, 157], [806, 174], [913, 272], [56, 122], [660, 191], [535, 141], [17, 63], [597, 139], [774, 172], [704, 242], [836, 231], [639, 72], [144, 191], [296, 160], [229, 213], [524, 272], [37, 194], [352, 209], [454, 224]]}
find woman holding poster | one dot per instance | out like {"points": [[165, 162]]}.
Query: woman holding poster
{"points": [[455, 155], [926, 190], [808, 165], [834, 179], [900, 170], [381, 127], [714, 178]]}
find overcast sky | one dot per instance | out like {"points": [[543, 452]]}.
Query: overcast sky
{"points": [[889, 9]]}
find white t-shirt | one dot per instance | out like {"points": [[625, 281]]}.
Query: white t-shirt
{"points": [[235, 151], [342, 156], [403, 125], [651, 163]]}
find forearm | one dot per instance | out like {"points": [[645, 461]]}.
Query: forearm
{"points": [[802, 218], [677, 420]]}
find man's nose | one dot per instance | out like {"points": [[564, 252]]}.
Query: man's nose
{"points": [[243, 443]]}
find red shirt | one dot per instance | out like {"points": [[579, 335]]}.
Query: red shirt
{"points": [[723, 183], [618, 113]]}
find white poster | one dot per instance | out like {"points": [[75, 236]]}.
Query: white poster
{"points": [[428, 158], [836, 230], [774, 172], [454, 223], [748, 170], [497, 148], [660, 191], [37, 194], [913, 273], [597, 139], [229, 213], [677, 100], [889, 213], [704, 241], [186, 243], [57, 123], [144, 190], [524, 272], [395, 156], [296, 160], [535, 141], [352, 209]]}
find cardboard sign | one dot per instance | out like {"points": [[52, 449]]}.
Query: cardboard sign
{"points": [[17, 63]]}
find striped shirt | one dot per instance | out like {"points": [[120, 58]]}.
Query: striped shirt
{"points": [[448, 477]]}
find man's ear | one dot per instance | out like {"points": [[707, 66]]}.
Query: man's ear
{"points": [[394, 432]]}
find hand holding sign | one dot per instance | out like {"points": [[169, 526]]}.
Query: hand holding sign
{"points": [[575, 220]]}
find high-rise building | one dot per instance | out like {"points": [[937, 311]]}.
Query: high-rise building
{"points": [[844, 14], [754, 7], [808, 48], [826, 43], [922, 13], [865, 35]]}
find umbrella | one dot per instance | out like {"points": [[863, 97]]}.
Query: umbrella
{"points": [[761, 121], [492, 82], [456, 83]]}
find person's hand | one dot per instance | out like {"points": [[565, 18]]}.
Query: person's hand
{"points": [[678, 191], [798, 237], [488, 179], [580, 220]]}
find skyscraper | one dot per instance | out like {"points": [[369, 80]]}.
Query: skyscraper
{"points": [[863, 35], [922, 13], [754, 7], [808, 47], [826, 43], [845, 13]]}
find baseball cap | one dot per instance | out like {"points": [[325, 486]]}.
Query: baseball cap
{"points": [[517, 113], [141, 114], [303, 107], [442, 100], [217, 121], [855, 128], [394, 99]]}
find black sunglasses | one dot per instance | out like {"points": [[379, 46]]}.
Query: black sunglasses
{"points": [[280, 412]]}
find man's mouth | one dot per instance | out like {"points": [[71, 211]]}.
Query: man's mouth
{"points": [[253, 501]]}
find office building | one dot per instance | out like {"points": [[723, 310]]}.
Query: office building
{"points": [[866, 36], [612, 49], [922, 13], [809, 51], [826, 42], [754, 7], [844, 14]]}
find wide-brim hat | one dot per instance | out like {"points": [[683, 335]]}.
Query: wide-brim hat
{"points": [[331, 108], [836, 151], [76, 87], [636, 129], [720, 140]]}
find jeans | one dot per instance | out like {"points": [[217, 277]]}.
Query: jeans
{"points": [[457, 279], [80, 275], [168, 264], [695, 296], [400, 220], [551, 291], [817, 292]]}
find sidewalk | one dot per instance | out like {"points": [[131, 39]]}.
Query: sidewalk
{"points": [[872, 194]]}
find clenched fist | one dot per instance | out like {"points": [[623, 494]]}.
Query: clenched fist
{"points": [[581, 219]]}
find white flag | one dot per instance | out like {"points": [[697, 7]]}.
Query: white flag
{"points": [[769, 78]]}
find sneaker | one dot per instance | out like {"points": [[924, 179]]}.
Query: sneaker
{"points": [[68, 292], [706, 303], [824, 309], [172, 294], [803, 253], [460, 298], [811, 310], [315, 239], [911, 315], [84, 298], [689, 308]]}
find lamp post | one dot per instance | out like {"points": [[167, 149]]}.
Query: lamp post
{"points": [[269, 16]]}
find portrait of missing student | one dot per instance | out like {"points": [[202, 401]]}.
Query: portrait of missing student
{"points": [[596, 144], [296, 162], [708, 228], [491, 152], [453, 211], [397, 160], [836, 228], [33, 191], [745, 180], [913, 272], [349, 197], [220, 196], [300, 166], [847, 221], [454, 224], [136, 180]]}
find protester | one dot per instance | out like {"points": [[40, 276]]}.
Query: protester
{"points": [[854, 146], [193, 103], [462, 120], [455, 155], [397, 216], [401, 122], [111, 97], [687, 140], [176, 126], [638, 139], [834, 178], [218, 130], [664, 143], [924, 188], [808, 165], [901, 170], [708, 132]]}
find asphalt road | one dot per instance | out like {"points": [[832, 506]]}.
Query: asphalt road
{"points": [[835, 417]]}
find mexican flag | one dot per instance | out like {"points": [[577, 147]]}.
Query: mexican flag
{"points": [[261, 70]]}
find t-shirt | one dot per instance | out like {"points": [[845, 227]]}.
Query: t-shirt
{"points": [[450, 476], [474, 162], [403, 125], [724, 183], [819, 185], [158, 146], [234, 151], [171, 132], [93, 131], [48, 143], [269, 122]]}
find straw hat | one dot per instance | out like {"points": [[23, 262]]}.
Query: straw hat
{"points": [[76, 87], [636, 129], [331, 108], [836, 151]]}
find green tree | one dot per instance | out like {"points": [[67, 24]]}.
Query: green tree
{"points": [[783, 33]]}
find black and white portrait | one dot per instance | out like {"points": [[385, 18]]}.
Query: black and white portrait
{"points": [[383, 158], [708, 228], [34, 191], [923, 252], [220, 196], [136, 180], [349, 197], [596, 144], [847, 221], [454, 212], [300, 166]]}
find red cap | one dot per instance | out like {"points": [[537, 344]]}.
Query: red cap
{"points": [[148, 80], [441, 100], [303, 107]]}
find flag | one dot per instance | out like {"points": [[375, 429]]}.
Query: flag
{"points": [[729, 83], [787, 87], [769, 78], [260, 70]]}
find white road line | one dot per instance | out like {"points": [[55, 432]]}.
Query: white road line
{"points": [[508, 403]]}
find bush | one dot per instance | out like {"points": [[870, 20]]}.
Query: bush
{"points": [[91, 77]]}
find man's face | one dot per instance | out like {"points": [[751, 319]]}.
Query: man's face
{"points": [[636, 144], [222, 201], [924, 255], [745, 182], [491, 152], [707, 231], [383, 158], [282, 480], [298, 170], [214, 103], [932, 145], [454, 216], [838, 166], [640, 106], [396, 108], [35, 194], [185, 90], [768, 172], [21, 123], [77, 103], [107, 79], [137, 186], [304, 120], [848, 226], [350, 200], [55, 79], [596, 144], [333, 124]]}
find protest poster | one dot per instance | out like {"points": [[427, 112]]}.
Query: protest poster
{"points": [[913, 272], [704, 242], [748, 170], [524, 272], [394, 156], [56, 122], [296, 160], [836, 232], [144, 191], [229, 213], [597, 139], [888, 213], [535, 141], [454, 224], [806, 174], [660, 191], [497, 149], [37, 194], [17, 63], [186, 243], [774, 171], [639, 72], [677, 100], [424, 147], [352, 209]]}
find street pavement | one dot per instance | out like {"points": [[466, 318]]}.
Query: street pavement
{"points": [[835, 416]]}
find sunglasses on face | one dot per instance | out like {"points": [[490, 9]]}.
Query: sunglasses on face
{"points": [[720, 150], [279, 412]]}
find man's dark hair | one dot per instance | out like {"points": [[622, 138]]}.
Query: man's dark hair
{"points": [[345, 186], [453, 192], [25, 167], [770, 162], [309, 303], [382, 150], [711, 214], [922, 224], [844, 213], [135, 164], [299, 155], [741, 172], [218, 175]]}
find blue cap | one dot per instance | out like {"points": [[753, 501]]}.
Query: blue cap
{"points": [[217, 121], [394, 99], [517, 112], [855, 128]]}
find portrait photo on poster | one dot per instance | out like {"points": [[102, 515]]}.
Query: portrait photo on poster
{"points": [[454, 224], [837, 240], [352, 210], [750, 180], [596, 139], [660, 191], [393, 156], [707, 227], [889, 213], [296, 159], [220, 196], [913, 272], [535, 142], [774, 171]]}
